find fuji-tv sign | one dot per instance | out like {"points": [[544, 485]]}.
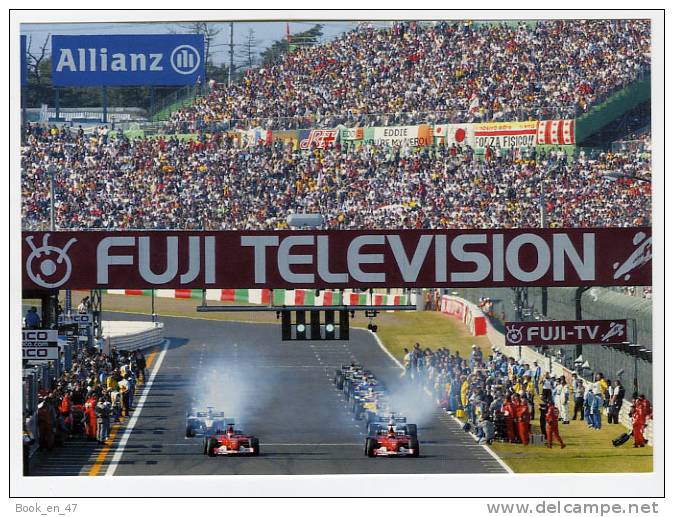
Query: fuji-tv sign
{"points": [[128, 60]]}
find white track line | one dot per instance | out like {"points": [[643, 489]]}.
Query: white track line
{"points": [[136, 413], [485, 447]]}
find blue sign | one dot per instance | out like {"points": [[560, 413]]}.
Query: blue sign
{"points": [[24, 61], [128, 60]]}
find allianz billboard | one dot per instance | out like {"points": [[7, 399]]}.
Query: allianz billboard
{"points": [[128, 60]]}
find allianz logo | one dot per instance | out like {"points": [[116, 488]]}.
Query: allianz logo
{"points": [[184, 59]]}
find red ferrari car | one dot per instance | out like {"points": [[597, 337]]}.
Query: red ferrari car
{"points": [[231, 442], [391, 442]]}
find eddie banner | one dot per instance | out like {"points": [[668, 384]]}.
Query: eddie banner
{"points": [[336, 259]]}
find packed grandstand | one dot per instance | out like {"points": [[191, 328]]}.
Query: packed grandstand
{"points": [[230, 168]]}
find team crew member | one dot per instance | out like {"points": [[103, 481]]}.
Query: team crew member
{"points": [[508, 409], [640, 413], [552, 421], [522, 417]]}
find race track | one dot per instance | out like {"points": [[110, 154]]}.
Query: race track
{"points": [[281, 392]]}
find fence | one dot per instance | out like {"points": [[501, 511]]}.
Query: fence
{"points": [[130, 335]]}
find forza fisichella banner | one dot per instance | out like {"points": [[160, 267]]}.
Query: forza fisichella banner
{"points": [[539, 333], [336, 259]]}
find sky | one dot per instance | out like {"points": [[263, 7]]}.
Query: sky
{"points": [[265, 32]]}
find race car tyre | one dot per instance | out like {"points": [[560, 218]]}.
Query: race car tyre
{"points": [[414, 445], [255, 445], [370, 447], [212, 445], [411, 430], [189, 432], [205, 446]]}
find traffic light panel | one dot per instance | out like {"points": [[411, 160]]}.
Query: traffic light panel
{"points": [[315, 330], [344, 325], [286, 326], [300, 326], [315, 325], [329, 325]]}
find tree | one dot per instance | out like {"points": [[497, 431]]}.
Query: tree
{"points": [[247, 50], [35, 61], [210, 32], [281, 47]]}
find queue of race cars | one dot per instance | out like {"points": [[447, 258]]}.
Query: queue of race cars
{"points": [[388, 433]]}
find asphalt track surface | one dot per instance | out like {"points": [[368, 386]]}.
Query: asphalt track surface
{"points": [[281, 392]]}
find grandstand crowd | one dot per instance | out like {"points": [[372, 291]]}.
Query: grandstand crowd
{"points": [[436, 72], [415, 73], [212, 183]]}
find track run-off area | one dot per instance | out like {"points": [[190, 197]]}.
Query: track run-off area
{"points": [[281, 392]]}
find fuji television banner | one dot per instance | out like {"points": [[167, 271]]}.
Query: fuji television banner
{"points": [[336, 259], [128, 60], [546, 333]]}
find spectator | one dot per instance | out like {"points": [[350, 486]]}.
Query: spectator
{"points": [[616, 394]]}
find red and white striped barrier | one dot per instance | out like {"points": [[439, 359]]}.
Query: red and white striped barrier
{"points": [[466, 312]]}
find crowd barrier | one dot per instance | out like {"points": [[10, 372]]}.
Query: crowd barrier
{"points": [[466, 312], [132, 335]]}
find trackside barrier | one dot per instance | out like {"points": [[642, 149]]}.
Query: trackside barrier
{"points": [[466, 312], [279, 297], [529, 355], [133, 335]]}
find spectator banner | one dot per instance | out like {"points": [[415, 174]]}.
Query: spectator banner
{"points": [[40, 345], [457, 134], [257, 136], [355, 133], [411, 136], [320, 138], [505, 134], [336, 259], [539, 333], [128, 60], [291, 136], [556, 132]]}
